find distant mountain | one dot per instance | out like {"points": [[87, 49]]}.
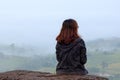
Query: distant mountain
{"points": [[108, 44]]}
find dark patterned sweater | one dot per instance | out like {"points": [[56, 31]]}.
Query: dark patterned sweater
{"points": [[71, 57]]}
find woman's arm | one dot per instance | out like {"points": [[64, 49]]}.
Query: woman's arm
{"points": [[57, 53], [83, 56]]}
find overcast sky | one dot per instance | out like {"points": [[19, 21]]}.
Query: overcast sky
{"points": [[39, 21]]}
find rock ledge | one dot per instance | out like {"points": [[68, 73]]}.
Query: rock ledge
{"points": [[34, 75]]}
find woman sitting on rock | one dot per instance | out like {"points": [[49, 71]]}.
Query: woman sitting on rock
{"points": [[70, 50]]}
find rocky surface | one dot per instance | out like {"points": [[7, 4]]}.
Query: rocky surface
{"points": [[34, 75]]}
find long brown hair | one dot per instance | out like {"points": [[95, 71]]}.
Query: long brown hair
{"points": [[69, 32]]}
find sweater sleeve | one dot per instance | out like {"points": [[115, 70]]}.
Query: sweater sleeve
{"points": [[83, 57], [57, 53]]}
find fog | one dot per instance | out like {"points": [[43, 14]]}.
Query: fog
{"points": [[28, 29], [38, 22]]}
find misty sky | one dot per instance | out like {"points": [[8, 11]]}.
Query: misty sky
{"points": [[39, 21]]}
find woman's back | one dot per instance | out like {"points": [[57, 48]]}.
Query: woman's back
{"points": [[71, 57], [70, 50]]}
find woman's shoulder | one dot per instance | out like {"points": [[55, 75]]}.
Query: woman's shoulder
{"points": [[80, 42]]}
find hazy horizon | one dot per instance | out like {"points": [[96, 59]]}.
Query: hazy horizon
{"points": [[39, 22]]}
